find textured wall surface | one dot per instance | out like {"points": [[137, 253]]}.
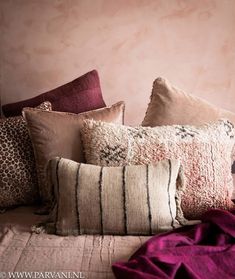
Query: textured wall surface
{"points": [[45, 43]]}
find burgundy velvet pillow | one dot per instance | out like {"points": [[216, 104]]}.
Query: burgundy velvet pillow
{"points": [[80, 95]]}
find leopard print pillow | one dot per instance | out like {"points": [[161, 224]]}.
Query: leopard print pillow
{"points": [[18, 178]]}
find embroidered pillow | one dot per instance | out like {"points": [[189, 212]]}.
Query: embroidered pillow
{"points": [[58, 134], [82, 94], [132, 200], [205, 153], [18, 179]]}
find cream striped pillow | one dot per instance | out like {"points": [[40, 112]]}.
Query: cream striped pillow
{"points": [[131, 200]]}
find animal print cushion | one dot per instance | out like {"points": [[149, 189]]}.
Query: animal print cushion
{"points": [[18, 178], [205, 153]]}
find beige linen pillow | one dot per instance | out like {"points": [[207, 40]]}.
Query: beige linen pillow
{"points": [[132, 200], [58, 134], [170, 105], [204, 151]]}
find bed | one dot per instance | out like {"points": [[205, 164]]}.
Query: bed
{"points": [[93, 255]]}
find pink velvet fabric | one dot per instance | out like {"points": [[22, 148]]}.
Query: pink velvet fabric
{"points": [[80, 95], [206, 250]]}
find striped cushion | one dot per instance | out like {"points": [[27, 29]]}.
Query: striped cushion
{"points": [[131, 200]]}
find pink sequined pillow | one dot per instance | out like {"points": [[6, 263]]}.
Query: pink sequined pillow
{"points": [[205, 153]]}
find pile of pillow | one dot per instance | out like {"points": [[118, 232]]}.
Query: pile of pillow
{"points": [[18, 176], [97, 176]]}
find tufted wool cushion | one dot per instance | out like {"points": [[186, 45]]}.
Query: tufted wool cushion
{"points": [[58, 134], [172, 106], [18, 178], [79, 95], [107, 200], [205, 153]]}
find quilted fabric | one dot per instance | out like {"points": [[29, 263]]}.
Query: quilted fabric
{"points": [[205, 153], [91, 255], [18, 179]]}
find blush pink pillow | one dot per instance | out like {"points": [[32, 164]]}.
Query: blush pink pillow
{"points": [[80, 95], [170, 105], [204, 151]]}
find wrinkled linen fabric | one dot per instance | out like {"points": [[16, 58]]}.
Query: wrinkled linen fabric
{"points": [[91, 255], [204, 251]]}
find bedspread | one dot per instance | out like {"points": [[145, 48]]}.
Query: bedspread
{"points": [[21, 250]]}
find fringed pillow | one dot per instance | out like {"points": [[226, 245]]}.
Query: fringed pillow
{"points": [[205, 153], [132, 200]]}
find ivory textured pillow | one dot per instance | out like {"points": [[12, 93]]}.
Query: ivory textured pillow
{"points": [[58, 134], [18, 178], [172, 106], [205, 153], [133, 200]]}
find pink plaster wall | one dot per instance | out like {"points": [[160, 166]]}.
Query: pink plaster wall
{"points": [[45, 43]]}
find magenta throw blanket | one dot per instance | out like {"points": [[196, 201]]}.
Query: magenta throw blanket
{"points": [[205, 251]]}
